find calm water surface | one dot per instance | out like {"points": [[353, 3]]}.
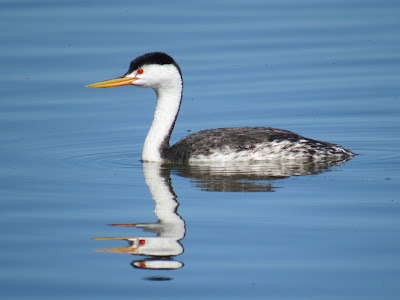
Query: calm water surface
{"points": [[70, 156]]}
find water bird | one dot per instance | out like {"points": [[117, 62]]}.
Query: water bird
{"points": [[160, 72]]}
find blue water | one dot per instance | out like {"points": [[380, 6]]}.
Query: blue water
{"points": [[70, 156]]}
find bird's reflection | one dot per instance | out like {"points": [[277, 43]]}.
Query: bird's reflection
{"points": [[169, 229], [250, 176], [161, 250]]}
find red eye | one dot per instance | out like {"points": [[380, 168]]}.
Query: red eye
{"points": [[140, 71]]}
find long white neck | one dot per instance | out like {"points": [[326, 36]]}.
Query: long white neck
{"points": [[168, 102]]}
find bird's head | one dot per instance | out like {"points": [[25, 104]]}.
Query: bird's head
{"points": [[151, 70]]}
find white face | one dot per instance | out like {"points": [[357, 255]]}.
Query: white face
{"points": [[155, 76]]}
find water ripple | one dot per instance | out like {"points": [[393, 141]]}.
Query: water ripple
{"points": [[120, 159]]}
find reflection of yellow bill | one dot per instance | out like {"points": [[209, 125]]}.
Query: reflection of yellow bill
{"points": [[132, 249]]}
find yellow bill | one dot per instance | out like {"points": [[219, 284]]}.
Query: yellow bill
{"points": [[113, 82]]}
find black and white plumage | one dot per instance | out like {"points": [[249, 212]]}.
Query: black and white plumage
{"points": [[160, 72]]}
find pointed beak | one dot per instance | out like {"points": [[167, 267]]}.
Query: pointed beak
{"points": [[110, 238], [130, 249], [119, 250], [113, 82], [123, 225]]}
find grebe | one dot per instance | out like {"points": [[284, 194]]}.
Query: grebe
{"points": [[160, 72]]}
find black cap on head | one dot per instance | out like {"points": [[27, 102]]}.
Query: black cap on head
{"points": [[153, 58]]}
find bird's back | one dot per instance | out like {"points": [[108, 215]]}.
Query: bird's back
{"points": [[250, 143]]}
